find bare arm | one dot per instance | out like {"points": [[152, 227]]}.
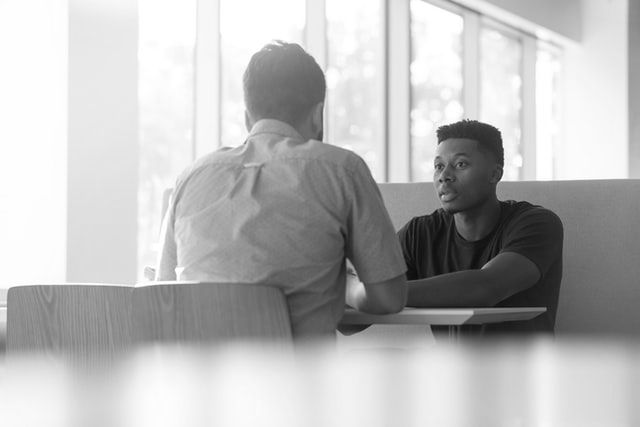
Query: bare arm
{"points": [[505, 275], [389, 296], [167, 256]]}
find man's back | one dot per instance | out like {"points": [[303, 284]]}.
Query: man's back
{"points": [[282, 211]]}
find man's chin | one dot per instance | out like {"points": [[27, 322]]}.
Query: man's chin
{"points": [[450, 208]]}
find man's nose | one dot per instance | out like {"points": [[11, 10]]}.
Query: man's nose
{"points": [[446, 175]]}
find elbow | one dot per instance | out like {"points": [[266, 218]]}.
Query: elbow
{"points": [[398, 303], [392, 301]]}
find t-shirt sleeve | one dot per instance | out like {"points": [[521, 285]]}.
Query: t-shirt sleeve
{"points": [[371, 242], [406, 237], [538, 235]]}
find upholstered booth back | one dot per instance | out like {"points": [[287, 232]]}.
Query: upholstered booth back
{"points": [[600, 290]]}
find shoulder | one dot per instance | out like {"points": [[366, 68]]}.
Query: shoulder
{"points": [[205, 163], [523, 213], [338, 157]]}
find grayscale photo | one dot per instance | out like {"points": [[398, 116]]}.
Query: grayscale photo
{"points": [[325, 213]]}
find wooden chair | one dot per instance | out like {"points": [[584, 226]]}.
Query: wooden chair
{"points": [[81, 321], [210, 313]]}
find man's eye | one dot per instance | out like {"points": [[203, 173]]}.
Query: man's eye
{"points": [[438, 166], [461, 164]]}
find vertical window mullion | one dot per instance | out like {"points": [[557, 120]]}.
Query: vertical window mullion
{"points": [[384, 148], [316, 31], [471, 65], [529, 154], [398, 105], [315, 37], [207, 78]]}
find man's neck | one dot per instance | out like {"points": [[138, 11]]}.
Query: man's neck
{"points": [[477, 223]]}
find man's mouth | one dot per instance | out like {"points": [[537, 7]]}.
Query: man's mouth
{"points": [[447, 196]]}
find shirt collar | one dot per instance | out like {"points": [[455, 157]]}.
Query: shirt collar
{"points": [[273, 126]]}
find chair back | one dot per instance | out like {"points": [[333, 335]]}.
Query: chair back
{"points": [[210, 313], [78, 320]]}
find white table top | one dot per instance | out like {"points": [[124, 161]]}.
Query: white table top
{"points": [[443, 316]]}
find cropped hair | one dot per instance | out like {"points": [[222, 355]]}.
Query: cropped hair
{"points": [[282, 82], [488, 137]]}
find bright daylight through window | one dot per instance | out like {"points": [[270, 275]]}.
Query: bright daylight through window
{"points": [[455, 56]]}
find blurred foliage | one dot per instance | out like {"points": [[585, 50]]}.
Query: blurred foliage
{"points": [[436, 80], [355, 98], [501, 94], [166, 110]]}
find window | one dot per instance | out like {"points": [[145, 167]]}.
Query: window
{"points": [[241, 35], [355, 79], [436, 80], [165, 93], [501, 94], [396, 71], [548, 66]]}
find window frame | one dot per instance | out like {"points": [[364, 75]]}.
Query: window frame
{"points": [[395, 150]]}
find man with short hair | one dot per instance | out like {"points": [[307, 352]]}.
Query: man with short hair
{"points": [[478, 251], [285, 209]]}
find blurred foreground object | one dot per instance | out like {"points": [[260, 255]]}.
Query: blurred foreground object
{"points": [[528, 384]]}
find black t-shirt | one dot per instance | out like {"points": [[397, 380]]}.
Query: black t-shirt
{"points": [[432, 246]]}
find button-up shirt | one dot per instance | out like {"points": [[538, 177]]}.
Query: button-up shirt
{"points": [[283, 211]]}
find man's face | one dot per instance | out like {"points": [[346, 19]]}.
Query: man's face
{"points": [[464, 176]]}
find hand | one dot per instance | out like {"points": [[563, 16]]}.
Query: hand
{"points": [[347, 330], [149, 273]]}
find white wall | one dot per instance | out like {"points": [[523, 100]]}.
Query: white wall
{"points": [[596, 94], [33, 141], [634, 89], [559, 16], [103, 141], [68, 141]]}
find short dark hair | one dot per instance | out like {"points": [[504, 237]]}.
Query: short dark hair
{"points": [[282, 82], [488, 137]]}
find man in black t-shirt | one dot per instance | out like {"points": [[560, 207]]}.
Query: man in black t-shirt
{"points": [[478, 251]]}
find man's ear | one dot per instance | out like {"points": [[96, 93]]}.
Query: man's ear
{"points": [[496, 174], [317, 120], [248, 121]]}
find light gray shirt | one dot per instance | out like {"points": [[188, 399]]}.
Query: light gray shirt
{"points": [[281, 211]]}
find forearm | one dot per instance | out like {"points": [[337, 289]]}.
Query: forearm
{"points": [[376, 298], [356, 296], [467, 288], [166, 267]]}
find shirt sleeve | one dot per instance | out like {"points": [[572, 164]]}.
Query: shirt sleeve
{"points": [[406, 238], [371, 242], [538, 235]]}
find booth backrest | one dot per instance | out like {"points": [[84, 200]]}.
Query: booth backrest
{"points": [[600, 290]]}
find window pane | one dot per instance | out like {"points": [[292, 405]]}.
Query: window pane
{"points": [[165, 91], [245, 27], [501, 94], [355, 98], [548, 68], [436, 80]]}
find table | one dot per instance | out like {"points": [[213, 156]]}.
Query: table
{"points": [[452, 317], [443, 316]]}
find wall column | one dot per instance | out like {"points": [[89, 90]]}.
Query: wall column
{"points": [[103, 141]]}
